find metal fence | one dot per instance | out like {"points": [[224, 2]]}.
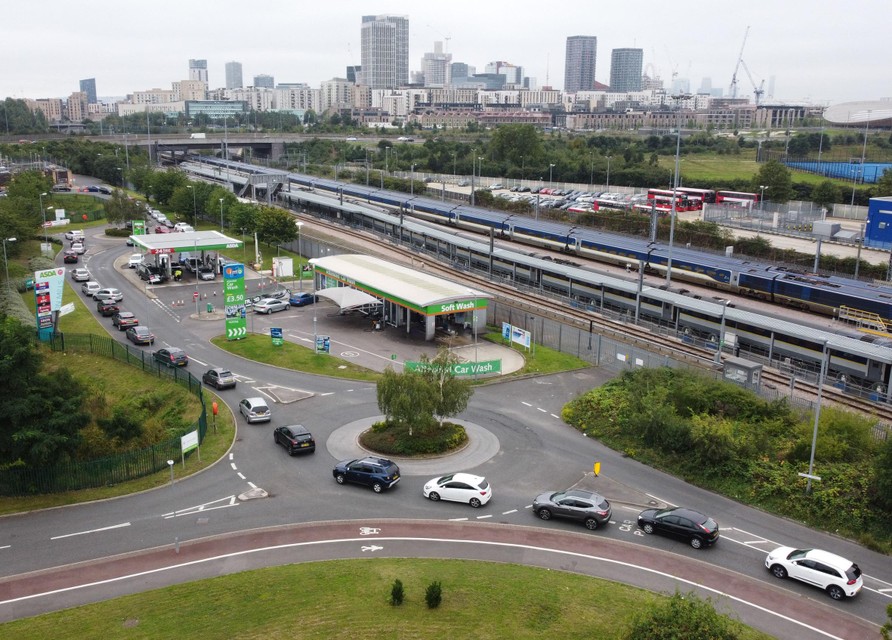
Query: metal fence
{"points": [[75, 475]]}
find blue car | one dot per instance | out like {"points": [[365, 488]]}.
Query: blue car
{"points": [[301, 299]]}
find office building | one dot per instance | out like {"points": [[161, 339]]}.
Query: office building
{"points": [[579, 63], [264, 81], [385, 51], [88, 87], [435, 67], [234, 75], [198, 70], [626, 66]]}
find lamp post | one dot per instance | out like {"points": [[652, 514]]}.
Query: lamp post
{"points": [[550, 174], [591, 173], [121, 170], [194, 205], [126, 153], [454, 165], [814, 437], [6, 264], [299, 254], [718, 347], [672, 213], [523, 166], [221, 215], [607, 188], [43, 212], [762, 188], [412, 180]]}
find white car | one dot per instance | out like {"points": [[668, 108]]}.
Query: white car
{"points": [[78, 248], [459, 487], [135, 260], [832, 573], [74, 234], [183, 227], [80, 275], [114, 294], [90, 287]]}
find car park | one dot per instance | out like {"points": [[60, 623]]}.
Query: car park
{"points": [[371, 471], [135, 260], [70, 257], [124, 319], [206, 273], [295, 438], [271, 305], [255, 410], [107, 307], [108, 292], [90, 287], [219, 378], [684, 524], [140, 335], [832, 573], [80, 275], [298, 299], [78, 247], [592, 509], [459, 487], [171, 357]]}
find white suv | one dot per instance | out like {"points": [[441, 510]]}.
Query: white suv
{"points": [[832, 573]]}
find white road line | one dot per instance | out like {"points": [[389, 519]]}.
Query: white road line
{"points": [[240, 475], [231, 455], [6, 547], [526, 403], [660, 500], [505, 513], [331, 393], [234, 468], [458, 519], [529, 506], [203, 364], [882, 592], [82, 533], [541, 409], [556, 417], [252, 485], [484, 517]]}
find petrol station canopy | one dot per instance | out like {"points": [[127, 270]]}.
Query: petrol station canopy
{"points": [[176, 242]]}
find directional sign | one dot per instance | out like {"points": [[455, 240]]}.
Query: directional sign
{"points": [[236, 333]]}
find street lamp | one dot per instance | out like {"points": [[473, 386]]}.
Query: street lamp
{"points": [[412, 180], [194, 205], [814, 437], [221, 215], [6, 264], [607, 188], [523, 166], [762, 188], [591, 174], [672, 213], [454, 164], [43, 212], [718, 347], [122, 176], [550, 170], [299, 253]]}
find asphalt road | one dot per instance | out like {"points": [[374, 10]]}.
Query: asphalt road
{"points": [[536, 452]]}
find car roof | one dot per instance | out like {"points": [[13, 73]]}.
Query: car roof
{"points": [[470, 478], [684, 512], [828, 558], [587, 495], [296, 428], [255, 400], [125, 314], [139, 329]]}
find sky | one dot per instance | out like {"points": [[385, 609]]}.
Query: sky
{"points": [[815, 52]]}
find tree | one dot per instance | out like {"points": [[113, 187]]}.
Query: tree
{"points": [[884, 184], [275, 226], [510, 142], [120, 209], [450, 395], [242, 217], [883, 478], [776, 178], [162, 185], [682, 616], [825, 194]]}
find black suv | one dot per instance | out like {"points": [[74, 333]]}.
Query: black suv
{"points": [[149, 272], [294, 438], [377, 473]]}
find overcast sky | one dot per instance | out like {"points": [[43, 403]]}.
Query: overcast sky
{"points": [[820, 52]]}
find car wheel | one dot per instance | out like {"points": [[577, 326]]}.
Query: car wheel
{"points": [[433, 496], [835, 592], [648, 528], [696, 542], [545, 514], [475, 502], [377, 487], [287, 307], [591, 524], [779, 571], [340, 478]]}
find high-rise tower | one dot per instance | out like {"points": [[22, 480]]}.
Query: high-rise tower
{"points": [[198, 70], [234, 75], [88, 86], [579, 64], [626, 66], [385, 51]]}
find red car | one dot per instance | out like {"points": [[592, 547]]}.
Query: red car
{"points": [[160, 228], [70, 257]]}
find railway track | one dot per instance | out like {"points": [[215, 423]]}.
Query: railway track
{"points": [[624, 332]]}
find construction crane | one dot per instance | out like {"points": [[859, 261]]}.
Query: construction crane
{"points": [[445, 37], [733, 91], [757, 90]]}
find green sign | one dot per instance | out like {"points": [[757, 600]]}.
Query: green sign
{"points": [[276, 334], [234, 301], [482, 368], [139, 228]]}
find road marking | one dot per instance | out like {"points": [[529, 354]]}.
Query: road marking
{"points": [[331, 393], [252, 485], [556, 417], [505, 513], [541, 409], [6, 547], [82, 533], [234, 468], [529, 506], [660, 500], [484, 517], [203, 364], [458, 519], [526, 403], [372, 548], [240, 475], [230, 501], [231, 455]]}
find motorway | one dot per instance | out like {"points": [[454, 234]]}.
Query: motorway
{"points": [[535, 451]]}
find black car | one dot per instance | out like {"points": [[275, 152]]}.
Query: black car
{"points": [[592, 509], [107, 307], [685, 524], [171, 357], [377, 473], [294, 438], [219, 378]]}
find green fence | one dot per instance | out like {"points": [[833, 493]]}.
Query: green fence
{"points": [[114, 469]]}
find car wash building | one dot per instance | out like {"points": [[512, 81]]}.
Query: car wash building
{"points": [[400, 296]]}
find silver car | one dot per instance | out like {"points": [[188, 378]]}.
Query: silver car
{"points": [[255, 410], [270, 305]]}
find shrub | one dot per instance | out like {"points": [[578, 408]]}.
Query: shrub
{"points": [[397, 593], [434, 595], [683, 616]]}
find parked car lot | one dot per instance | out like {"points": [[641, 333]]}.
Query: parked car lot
{"points": [[140, 335], [371, 471], [255, 410], [271, 305], [171, 357], [832, 573], [295, 438], [459, 487], [680, 523], [592, 509], [219, 378]]}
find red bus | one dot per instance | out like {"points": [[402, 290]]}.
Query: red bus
{"points": [[663, 198], [705, 196], [736, 197], [662, 208]]}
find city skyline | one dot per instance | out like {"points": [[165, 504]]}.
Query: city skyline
{"points": [[140, 47]]}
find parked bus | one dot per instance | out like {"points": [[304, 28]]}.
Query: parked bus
{"points": [[663, 198], [705, 196], [737, 197]]}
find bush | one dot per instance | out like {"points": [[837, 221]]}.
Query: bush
{"points": [[394, 439], [434, 595], [683, 616], [397, 593]]}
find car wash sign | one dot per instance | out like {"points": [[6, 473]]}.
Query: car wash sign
{"points": [[234, 301], [48, 286]]}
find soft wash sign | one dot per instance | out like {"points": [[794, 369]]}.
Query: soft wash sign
{"points": [[48, 286], [234, 301], [456, 307]]}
